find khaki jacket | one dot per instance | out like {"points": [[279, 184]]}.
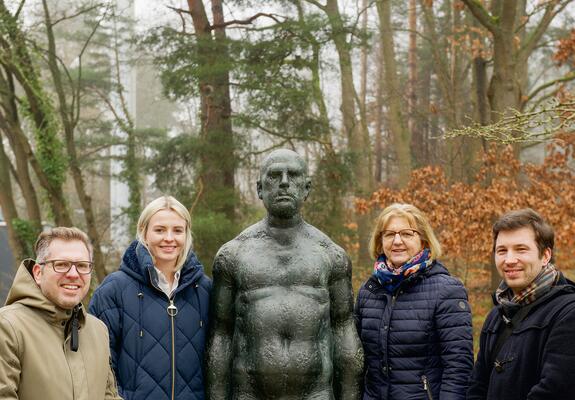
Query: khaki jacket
{"points": [[36, 362]]}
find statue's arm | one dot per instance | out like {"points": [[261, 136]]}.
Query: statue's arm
{"points": [[348, 352], [219, 345]]}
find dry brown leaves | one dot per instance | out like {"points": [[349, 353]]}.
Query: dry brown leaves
{"points": [[462, 214]]}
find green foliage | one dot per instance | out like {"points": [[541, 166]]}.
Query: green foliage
{"points": [[211, 230], [174, 165], [20, 57], [324, 207], [49, 146], [176, 54], [91, 78], [26, 232]]}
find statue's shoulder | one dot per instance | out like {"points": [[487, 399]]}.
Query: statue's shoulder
{"points": [[231, 248], [333, 249]]}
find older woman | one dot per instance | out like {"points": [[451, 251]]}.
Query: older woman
{"points": [[156, 309], [413, 318]]}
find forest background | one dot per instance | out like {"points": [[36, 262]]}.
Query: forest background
{"points": [[461, 107]]}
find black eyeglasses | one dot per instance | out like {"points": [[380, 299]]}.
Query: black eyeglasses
{"points": [[63, 266]]}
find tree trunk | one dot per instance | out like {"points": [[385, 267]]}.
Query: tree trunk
{"points": [[218, 160], [9, 208], [363, 62], [68, 122], [11, 124], [400, 133], [417, 139], [354, 124], [379, 125], [50, 164]]}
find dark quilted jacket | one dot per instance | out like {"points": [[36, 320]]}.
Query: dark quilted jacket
{"points": [[418, 342], [135, 311]]}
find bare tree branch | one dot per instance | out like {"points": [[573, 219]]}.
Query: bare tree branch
{"points": [[20, 6], [541, 28], [75, 105], [569, 77], [248, 21], [482, 15], [534, 126], [77, 14], [317, 4]]}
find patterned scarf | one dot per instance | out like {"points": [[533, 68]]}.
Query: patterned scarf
{"points": [[391, 277], [543, 282]]}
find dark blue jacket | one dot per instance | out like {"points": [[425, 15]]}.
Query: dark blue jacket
{"points": [[418, 341], [152, 352], [537, 361]]}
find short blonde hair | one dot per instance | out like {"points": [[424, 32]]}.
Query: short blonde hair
{"points": [[41, 248], [166, 203], [416, 218]]}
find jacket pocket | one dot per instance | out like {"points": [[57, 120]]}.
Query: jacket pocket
{"points": [[426, 387]]}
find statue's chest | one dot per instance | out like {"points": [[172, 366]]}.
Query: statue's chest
{"points": [[302, 264]]}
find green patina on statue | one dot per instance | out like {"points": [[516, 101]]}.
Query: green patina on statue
{"points": [[282, 324]]}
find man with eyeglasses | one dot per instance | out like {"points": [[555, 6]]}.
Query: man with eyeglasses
{"points": [[50, 348]]}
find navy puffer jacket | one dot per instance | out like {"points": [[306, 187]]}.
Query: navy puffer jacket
{"points": [[418, 341], [155, 356]]}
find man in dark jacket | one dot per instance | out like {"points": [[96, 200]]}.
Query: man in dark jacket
{"points": [[526, 349]]}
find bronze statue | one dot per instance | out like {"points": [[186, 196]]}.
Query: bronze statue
{"points": [[282, 324]]}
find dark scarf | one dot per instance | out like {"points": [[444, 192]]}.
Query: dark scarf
{"points": [[391, 278], [543, 282]]}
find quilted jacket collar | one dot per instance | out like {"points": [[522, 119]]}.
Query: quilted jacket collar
{"points": [[137, 263]]}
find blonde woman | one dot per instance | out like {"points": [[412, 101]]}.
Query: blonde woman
{"points": [[156, 308], [413, 318]]}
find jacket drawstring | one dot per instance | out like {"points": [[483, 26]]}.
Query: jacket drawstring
{"points": [[140, 309], [197, 286]]}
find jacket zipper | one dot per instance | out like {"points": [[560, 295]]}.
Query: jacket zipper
{"points": [[172, 311], [426, 387]]}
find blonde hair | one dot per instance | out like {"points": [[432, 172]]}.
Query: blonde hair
{"points": [[41, 248], [166, 203], [416, 218]]}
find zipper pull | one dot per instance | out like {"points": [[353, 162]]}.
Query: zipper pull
{"points": [[172, 309], [426, 387]]}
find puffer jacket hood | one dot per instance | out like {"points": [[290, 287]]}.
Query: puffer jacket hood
{"points": [[25, 291], [137, 262]]}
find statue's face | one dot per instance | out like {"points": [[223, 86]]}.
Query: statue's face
{"points": [[283, 184]]}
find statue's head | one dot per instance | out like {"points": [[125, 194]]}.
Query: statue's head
{"points": [[284, 184]]}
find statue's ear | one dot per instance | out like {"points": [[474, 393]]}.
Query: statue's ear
{"points": [[307, 188], [259, 189]]}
